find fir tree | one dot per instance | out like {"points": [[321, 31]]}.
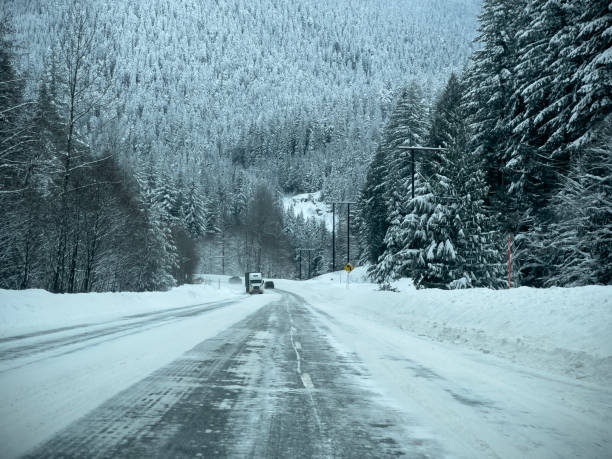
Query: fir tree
{"points": [[490, 83], [578, 249], [158, 258], [13, 128], [194, 213], [407, 126], [444, 240], [563, 82]]}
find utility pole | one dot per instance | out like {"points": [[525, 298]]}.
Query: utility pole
{"points": [[348, 231], [309, 260], [333, 237], [222, 263], [412, 150]]}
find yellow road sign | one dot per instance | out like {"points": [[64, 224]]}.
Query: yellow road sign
{"points": [[348, 267]]}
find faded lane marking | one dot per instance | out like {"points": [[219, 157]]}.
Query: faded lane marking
{"points": [[295, 348], [307, 381]]}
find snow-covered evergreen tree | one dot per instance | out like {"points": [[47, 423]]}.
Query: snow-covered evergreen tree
{"points": [[578, 247], [194, 213], [382, 201], [13, 130], [158, 259], [444, 239], [372, 210], [407, 126], [490, 84]]}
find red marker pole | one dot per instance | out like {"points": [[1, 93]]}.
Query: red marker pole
{"points": [[509, 262]]}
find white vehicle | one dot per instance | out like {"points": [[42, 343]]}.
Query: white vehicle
{"points": [[253, 283]]}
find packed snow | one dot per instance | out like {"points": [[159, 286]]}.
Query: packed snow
{"points": [[442, 359]]}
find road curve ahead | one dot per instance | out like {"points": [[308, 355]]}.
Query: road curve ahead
{"points": [[272, 385]]}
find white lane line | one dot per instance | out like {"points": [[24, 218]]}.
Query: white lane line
{"points": [[307, 381], [297, 354], [297, 346]]}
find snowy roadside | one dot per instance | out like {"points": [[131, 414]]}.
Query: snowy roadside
{"points": [[567, 331], [29, 311]]}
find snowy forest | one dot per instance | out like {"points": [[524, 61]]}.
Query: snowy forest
{"points": [[526, 160], [143, 142]]}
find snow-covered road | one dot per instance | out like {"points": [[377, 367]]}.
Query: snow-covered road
{"points": [[298, 372], [51, 377]]}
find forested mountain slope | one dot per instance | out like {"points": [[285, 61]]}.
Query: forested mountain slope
{"points": [[260, 79]]}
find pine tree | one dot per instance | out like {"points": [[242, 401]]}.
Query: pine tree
{"points": [[194, 213], [562, 86], [158, 259], [14, 245], [407, 126], [578, 249], [478, 241], [165, 199], [407, 237], [593, 78], [444, 239], [491, 83], [13, 131], [445, 126], [381, 200]]}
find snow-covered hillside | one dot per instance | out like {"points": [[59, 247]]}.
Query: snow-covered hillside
{"points": [[244, 79], [309, 205]]}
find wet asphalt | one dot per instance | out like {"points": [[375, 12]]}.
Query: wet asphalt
{"points": [[271, 386]]}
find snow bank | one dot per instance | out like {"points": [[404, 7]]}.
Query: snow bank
{"points": [[564, 330], [28, 311]]}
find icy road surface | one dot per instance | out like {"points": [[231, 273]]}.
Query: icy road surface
{"points": [[284, 378]]}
